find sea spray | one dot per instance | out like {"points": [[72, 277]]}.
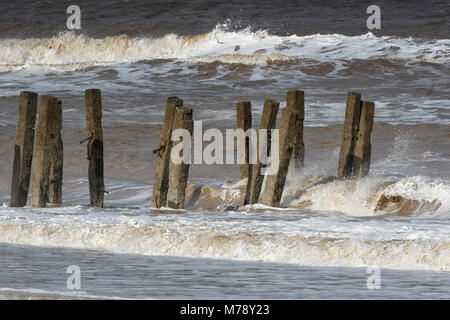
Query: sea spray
{"points": [[68, 51]]}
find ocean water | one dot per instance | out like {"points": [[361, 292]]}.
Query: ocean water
{"points": [[213, 54], [126, 276]]}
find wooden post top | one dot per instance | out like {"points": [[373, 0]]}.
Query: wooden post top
{"points": [[243, 104], [269, 114], [28, 95], [48, 99], [175, 101], [296, 99]]}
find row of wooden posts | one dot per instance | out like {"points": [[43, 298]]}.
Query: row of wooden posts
{"points": [[171, 179], [354, 160], [47, 162]]}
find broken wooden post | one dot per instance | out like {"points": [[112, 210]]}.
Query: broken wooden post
{"points": [[161, 182], [56, 156], [268, 121], [351, 123], [93, 100], [244, 122], [179, 172], [296, 100], [273, 189], [23, 149], [44, 140], [363, 148]]}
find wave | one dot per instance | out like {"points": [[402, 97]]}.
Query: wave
{"points": [[412, 196], [69, 51], [368, 197], [303, 243], [324, 232]]}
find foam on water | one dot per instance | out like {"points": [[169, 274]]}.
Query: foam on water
{"points": [[238, 63], [412, 196], [68, 51], [327, 234]]}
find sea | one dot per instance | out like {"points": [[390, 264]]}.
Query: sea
{"points": [[386, 236]]}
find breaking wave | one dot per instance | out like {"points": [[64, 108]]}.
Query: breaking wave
{"points": [[326, 231], [412, 196], [69, 51], [368, 197], [307, 241]]}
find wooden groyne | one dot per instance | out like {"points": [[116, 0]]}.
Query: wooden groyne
{"points": [[47, 132], [23, 149], [275, 182], [354, 158], [244, 122], [161, 182], [56, 159], [40, 150], [179, 172], [296, 99], [93, 99], [45, 157], [267, 123]]}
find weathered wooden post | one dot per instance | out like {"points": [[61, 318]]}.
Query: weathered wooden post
{"points": [[268, 121], [351, 123], [244, 122], [179, 172], [161, 182], [296, 100], [275, 183], [56, 156], [363, 147], [42, 159], [23, 149], [93, 100]]}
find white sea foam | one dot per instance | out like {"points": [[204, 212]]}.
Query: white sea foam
{"points": [[304, 239], [68, 51], [412, 196]]}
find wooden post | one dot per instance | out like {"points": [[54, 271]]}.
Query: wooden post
{"points": [[296, 100], [93, 100], [161, 182], [352, 116], [244, 122], [179, 173], [23, 149], [363, 148], [268, 121], [44, 140], [275, 183], [56, 155]]}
